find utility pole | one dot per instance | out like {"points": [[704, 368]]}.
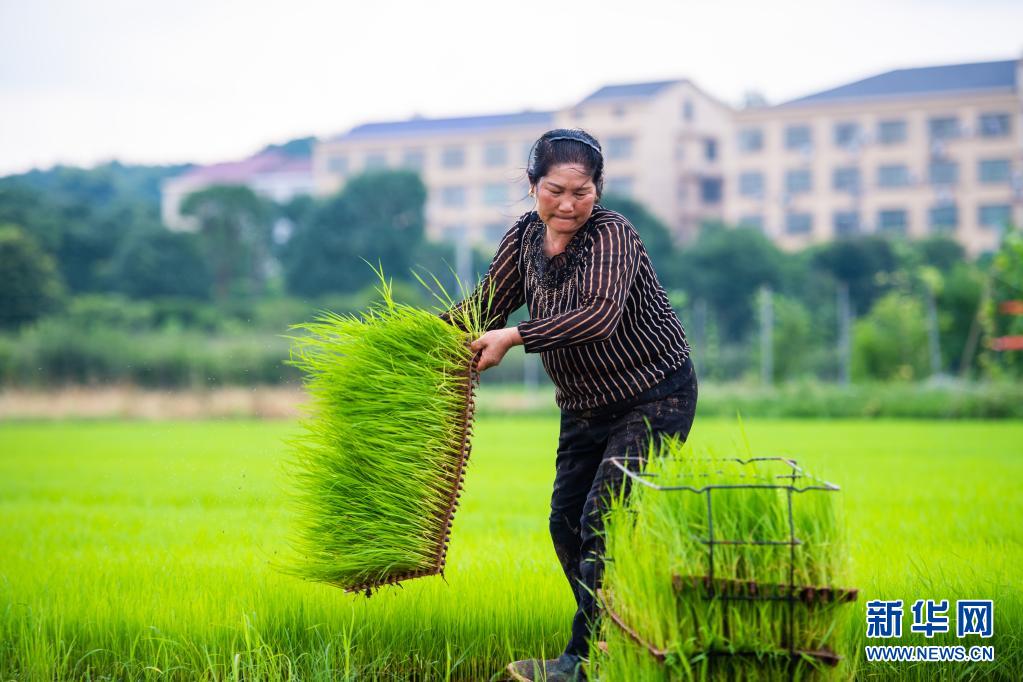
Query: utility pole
{"points": [[933, 341], [844, 333], [766, 336]]}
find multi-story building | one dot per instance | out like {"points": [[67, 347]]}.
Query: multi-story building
{"points": [[935, 150], [473, 167], [924, 151], [661, 144]]}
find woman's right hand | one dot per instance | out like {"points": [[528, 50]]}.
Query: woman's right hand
{"points": [[493, 345]]}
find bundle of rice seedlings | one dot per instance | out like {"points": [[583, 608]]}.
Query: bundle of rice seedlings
{"points": [[751, 605], [379, 463]]}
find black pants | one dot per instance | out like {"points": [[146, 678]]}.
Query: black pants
{"points": [[585, 479]]}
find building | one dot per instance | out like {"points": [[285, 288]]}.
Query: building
{"points": [[473, 167], [917, 152], [273, 174], [661, 141]]}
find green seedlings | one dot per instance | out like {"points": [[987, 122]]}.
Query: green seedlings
{"points": [[679, 606], [380, 463]]}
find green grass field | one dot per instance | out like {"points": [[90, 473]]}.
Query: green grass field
{"points": [[134, 550]]}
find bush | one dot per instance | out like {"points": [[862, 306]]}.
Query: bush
{"points": [[890, 343]]}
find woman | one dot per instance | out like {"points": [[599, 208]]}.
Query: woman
{"points": [[611, 343]]}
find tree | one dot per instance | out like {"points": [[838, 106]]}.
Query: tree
{"points": [[725, 267], [158, 262], [943, 253], [378, 217], [1006, 284], [234, 229], [30, 284], [891, 342], [866, 264]]}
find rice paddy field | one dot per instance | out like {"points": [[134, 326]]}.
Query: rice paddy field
{"points": [[149, 550]]}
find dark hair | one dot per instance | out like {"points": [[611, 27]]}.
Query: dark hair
{"points": [[566, 145]]}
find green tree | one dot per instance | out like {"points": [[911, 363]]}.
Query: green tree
{"points": [[30, 284], [1006, 284], [890, 343], [234, 228], [378, 217], [725, 267], [158, 262], [795, 346], [867, 264]]}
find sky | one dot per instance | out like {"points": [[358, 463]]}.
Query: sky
{"points": [[160, 81]]}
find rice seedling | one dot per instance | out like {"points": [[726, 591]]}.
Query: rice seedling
{"points": [[722, 566], [380, 464]]}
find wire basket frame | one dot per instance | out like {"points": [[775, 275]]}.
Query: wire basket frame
{"points": [[727, 589]]}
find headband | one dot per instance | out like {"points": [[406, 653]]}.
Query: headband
{"points": [[576, 139]]}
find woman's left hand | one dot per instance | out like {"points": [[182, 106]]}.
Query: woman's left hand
{"points": [[494, 344]]}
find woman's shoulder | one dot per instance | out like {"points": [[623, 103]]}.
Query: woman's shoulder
{"points": [[607, 220]]}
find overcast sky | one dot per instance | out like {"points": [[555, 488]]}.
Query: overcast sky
{"points": [[85, 81]]}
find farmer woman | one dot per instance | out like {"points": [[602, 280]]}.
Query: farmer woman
{"points": [[608, 338]]}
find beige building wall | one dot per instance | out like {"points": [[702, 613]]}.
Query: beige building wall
{"points": [[660, 150], [656, 151], [972, 177], [475, 180]]}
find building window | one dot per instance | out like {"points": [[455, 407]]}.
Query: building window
{"points": [[944, 172], [375, 160], [943, 128], [847, 134], [893, 221], [710, 149], [620, 185], [798, 223], [847, 223], [414, 159], [753, 220], [994, 170], [995, 216], [494, 232], [846, 179], [893, 176], [891, 132], [453, 196], [798, 137], [751, 140], [944, 218], [452, 157], [687, 110], [495, 154], [710, 190], [798, 181], [751, 184], [618, 147], [337, 163], [994, 125], [495, 194]]}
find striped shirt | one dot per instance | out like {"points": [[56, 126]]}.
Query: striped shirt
{"points": [[598, 316]]}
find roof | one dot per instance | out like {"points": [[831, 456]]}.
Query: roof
{"points": [[267, 163], [629, 91], [437, 126], [920, 81]]}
